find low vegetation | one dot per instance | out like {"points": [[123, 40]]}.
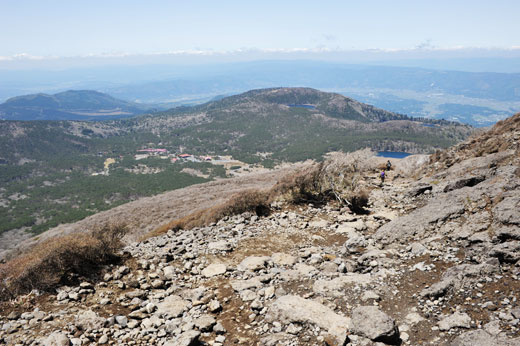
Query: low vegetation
{"points": [[61, 260], [337, 178], [248, 201]]}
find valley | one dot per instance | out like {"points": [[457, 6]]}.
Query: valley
{"points": [[61, 164]]}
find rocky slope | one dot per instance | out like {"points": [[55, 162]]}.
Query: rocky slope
{"points": [[434, 263]]}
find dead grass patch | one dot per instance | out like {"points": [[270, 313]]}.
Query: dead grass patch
{"points": [[248, 201], [58, 260]]}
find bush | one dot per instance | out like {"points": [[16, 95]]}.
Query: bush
{"points": [[57, 260], [339, 177], [302, 187]]}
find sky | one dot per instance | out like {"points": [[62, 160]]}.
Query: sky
{"points": [[57, 29]]}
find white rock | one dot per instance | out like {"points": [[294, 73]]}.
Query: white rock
{"points": [[187, 338], [253, 263], [57, 339], [335, 286], [294, 309], [368, 295], [173, 306], [205, 323], [150, 307], [283, 259], [214, 269], [455, 320], [248, 295], [214, 306], [220, 245], [372, 323], [103, 340], [169, 272], [240, 285], [122, 320]]}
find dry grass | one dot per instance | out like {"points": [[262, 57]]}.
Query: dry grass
{"points": [[248, 201], [57, 260], [339, 177]]}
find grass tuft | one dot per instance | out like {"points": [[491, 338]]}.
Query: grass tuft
{"points": [[57, 261]]}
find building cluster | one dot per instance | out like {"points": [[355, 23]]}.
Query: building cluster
{"points": [[163, 153]]}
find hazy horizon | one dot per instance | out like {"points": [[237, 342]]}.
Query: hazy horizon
{"points": [[58, 34]]}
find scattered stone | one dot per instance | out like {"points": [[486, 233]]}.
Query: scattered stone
{"points": [[103, 339], [283, 259], [214, 306], [187, 338], [173, 306], [220, 245], [57, 339], [205, 323]]}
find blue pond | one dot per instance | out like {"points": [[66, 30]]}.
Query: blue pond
{"points": [[303, 106], [393, 154]]}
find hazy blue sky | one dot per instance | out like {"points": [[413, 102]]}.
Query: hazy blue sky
{"points": [[110, 27]]}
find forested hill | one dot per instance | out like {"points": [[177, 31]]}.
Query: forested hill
{"points": [[68, 105]]}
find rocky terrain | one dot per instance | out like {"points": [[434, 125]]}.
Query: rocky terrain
{"points": [[145, 214], [434, 262]]}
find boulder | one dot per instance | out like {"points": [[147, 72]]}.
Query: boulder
{"points": [[214, 269], [57, 339], [294, 309], [283, 259], [220, 245], [481, 337], [173, 306], [374, 324], [188, 338], [506, 211], [205, 323], [253, 263], [406, 227], [455, 320]]}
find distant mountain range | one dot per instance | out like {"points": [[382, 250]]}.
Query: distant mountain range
{"points": [[69, 105], [476, 98]]}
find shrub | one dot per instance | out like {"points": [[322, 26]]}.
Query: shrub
{"points": [[57, 260], [301, 187], [339, 177]]}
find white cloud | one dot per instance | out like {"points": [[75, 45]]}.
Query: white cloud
{"points": [[424, 47]]}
